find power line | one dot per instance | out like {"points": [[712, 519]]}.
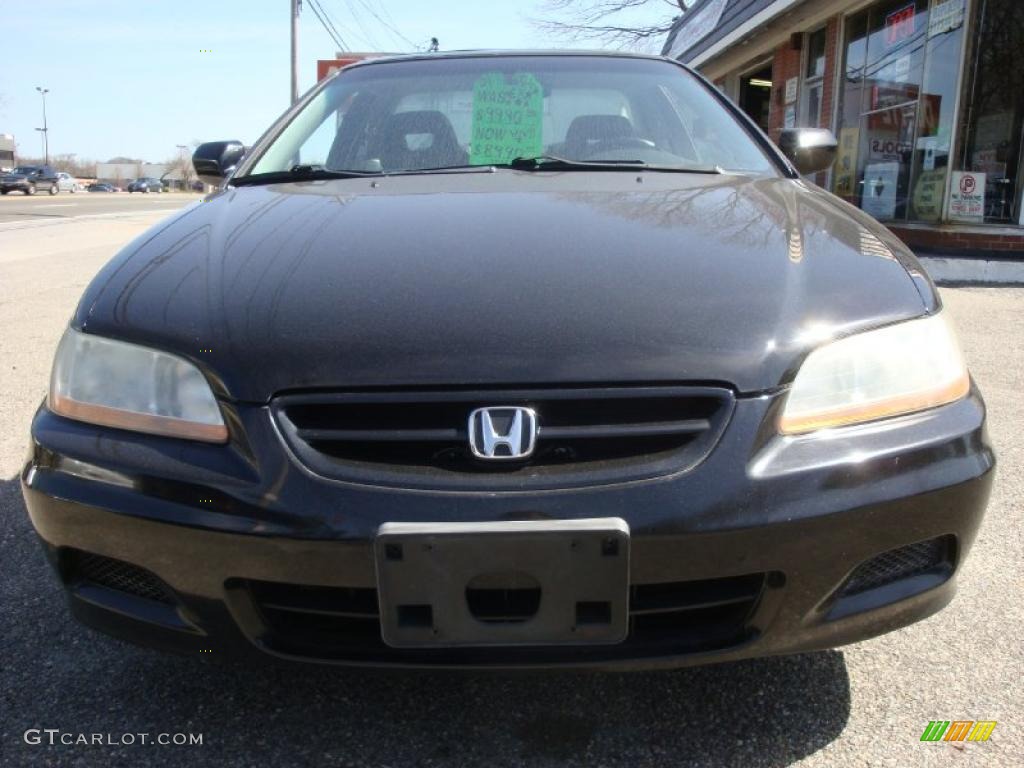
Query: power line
{"points": [[387, 24], [372, 43], [329, 28], [330, 20]]}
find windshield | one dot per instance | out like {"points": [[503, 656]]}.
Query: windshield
{"points": [[428, 114]]}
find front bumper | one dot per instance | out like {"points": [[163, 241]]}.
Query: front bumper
{"points": [[757, 543]]}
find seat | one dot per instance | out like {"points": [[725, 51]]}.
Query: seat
{"points": [[419, 139], [587, 131]]}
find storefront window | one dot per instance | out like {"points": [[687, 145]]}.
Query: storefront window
{"points": [[880, 111], [993, 113], [943, 41], [845, 176], [814, 74]]}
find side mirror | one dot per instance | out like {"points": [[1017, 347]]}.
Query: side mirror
{"points": [[214, 161], [809, 149]]}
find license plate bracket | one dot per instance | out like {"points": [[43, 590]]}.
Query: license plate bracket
{"points": [[535, 582]]}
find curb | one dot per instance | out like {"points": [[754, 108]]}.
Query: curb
{"points": [[950, 271]]}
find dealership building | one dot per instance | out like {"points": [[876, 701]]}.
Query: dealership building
{"points": [[926, 99]]}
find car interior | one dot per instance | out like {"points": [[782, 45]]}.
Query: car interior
{"points": [[379, 133]]}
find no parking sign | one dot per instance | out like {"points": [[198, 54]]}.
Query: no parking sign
{"points": [[967, 197]]}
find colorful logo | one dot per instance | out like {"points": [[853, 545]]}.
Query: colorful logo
{"points": [[958, 730]]}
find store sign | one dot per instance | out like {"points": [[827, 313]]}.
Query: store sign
{"points": [[845, 173], [789, 117], [791, 86], [696, 27], [327, 67], [888, 148], [928, 145], [927, 197], [880, 184], [967, 197], [899, 25], [891, 97], [945, 16]]}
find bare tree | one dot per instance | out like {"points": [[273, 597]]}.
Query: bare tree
{"points": [[612, 23], [183, 165], [67, 162]]}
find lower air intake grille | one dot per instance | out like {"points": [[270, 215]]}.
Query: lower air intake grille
{"points": [[896, 564], [591, 436], [119, 575], [342, 623]]}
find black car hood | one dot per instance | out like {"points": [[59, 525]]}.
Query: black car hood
{"points": [[505, 278]]}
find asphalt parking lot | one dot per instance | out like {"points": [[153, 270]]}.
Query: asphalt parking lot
{"points": [[17, 208], [863, 705]]}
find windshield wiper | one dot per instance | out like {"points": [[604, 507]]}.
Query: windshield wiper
{"points": [[556, 163], [439, 169], [299, 173]]}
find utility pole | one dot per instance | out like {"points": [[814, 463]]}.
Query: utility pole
{"points": [[45, 130], [296, 6]]}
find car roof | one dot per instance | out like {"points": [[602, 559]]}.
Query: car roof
{"points": [[509, 53]]}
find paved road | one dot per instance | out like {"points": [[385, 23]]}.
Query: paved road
{"points": [[864, 705], [16, 207]]}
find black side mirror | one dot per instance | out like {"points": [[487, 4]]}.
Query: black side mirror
{"points": [[214, 161], [809, 149]]}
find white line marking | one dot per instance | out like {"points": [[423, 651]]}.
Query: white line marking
{"points": [[130, 216]]}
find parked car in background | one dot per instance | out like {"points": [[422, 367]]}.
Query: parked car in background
{"points": [[30, 179], [66, 183], [146, 184], [100, 187]]}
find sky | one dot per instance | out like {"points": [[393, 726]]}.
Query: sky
{"points": [[136, 78]]}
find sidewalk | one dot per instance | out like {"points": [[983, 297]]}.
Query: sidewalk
{"points": [[968, 269]]}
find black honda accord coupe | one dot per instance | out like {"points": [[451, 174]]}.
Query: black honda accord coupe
{"points": [[513, 360]]}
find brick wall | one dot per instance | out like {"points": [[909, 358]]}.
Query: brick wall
{"points": [[786, 64], [949, 239]]}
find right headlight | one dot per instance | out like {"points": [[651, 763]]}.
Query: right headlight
{"points": [[898, 369], [117, 384]]}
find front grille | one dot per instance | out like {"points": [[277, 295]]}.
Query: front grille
{"points": [[584, 437], [897, 564], [699, 615], [342, 623], [302, 619], [118, 575]]}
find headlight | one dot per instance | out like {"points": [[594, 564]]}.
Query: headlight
{"points": [[898, 369], [123, 385]]}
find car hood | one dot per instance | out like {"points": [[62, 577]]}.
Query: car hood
{"points": [[505, 278]]}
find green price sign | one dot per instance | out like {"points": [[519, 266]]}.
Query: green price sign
{"points": [[507, 115]]}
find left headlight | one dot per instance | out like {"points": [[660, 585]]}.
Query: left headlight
{"points": [[898, 369], [117, 384]]}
